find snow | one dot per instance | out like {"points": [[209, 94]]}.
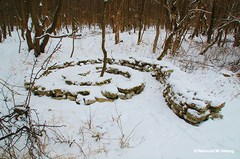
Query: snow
{"points": [[148, 125]]}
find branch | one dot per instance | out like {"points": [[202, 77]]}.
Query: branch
{"points": [[200, 10], [11, 134], [60, 36]]}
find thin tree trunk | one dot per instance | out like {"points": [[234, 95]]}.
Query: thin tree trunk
{"points": [[0, 35], [210, 45], [73, 45], [103, 39], [166, 46], [156, 37], [4, 29], [210, 29], [237, 35], [23, 18], [225, 37], [117, 28], [29, 40]]}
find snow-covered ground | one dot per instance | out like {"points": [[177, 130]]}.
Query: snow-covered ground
{"points": [[141, 127]]}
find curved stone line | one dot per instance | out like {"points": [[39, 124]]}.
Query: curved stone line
{"points": [[194, 111]]}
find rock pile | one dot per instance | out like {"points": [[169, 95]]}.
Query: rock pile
{"points": [[192, 106]]}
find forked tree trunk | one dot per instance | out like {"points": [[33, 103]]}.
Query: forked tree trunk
{"points": [[140, 23], [103, 39], [52, 27]]}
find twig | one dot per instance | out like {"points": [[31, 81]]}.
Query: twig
{"points": [[80, 148]]}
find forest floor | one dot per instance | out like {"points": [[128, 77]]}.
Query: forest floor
{"points": [[140, 127]]}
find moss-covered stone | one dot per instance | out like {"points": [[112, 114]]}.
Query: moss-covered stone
{"points": [[195, 117], [122, 96], [69, 82], [101, 100], [58, 98], [58, 92], [216, 109], [137, 89], [72, 98], [130, 95], [88, 83], [84, 93], [107, 81], [39, 93], [84, 74], [89, 101], [215, 115], [109, 95]]}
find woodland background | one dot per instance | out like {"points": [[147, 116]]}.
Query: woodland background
{"points": [[206, 17]]}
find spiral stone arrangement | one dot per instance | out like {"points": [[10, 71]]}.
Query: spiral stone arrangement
{"points": [[194, 106]]}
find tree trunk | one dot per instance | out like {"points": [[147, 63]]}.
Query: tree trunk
{"points": [[29, 40], [156, 37], [4, 29], [23, 18], [103, 39], [117, 28], [237, 35], [0, 35], [52, 27], [140, 23], [166, 46], [210, 29]]}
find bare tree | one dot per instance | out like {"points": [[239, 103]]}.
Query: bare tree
{"points": [[103, 38]]}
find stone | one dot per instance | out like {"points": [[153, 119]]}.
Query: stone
{"points": [[139, 89], [72, 98], [58, 98], [197, 105], [39, 93], [84, 74], [216, 109], [101, 100], [58, 92], [107, 81], [177, 107], [69, 82], [88, 83], [89, 101], [84, 93], [194, 116], [79, 99], [136, 89], [122, 96], [109, 95], [129, 95], [215, 115]]}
